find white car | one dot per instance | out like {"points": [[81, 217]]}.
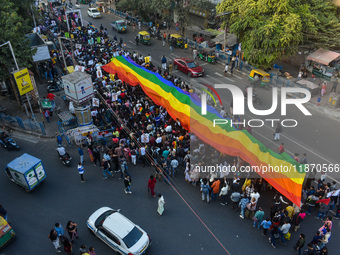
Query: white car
{"points": [[94, 13], [118, 232]]}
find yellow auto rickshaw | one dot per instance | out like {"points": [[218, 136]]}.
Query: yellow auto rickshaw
{"points": [[144, 37], [176, 40], [7, 234], [207, 54], [258, 75]]}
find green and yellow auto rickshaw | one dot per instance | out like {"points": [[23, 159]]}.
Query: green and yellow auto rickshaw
{"points": [[258, 75], [208, 55], [176, 40], [7, 234], [144, 37]]}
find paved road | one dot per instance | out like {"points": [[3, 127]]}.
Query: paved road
{"points": [[314, 135], [205, 229], [188, 226]]}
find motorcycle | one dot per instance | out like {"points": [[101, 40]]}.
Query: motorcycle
{"points": [[65, 159], [256, 98], [8, 142], [52, 86]]}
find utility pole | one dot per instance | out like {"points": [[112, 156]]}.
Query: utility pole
{"points": [[17, 67]]}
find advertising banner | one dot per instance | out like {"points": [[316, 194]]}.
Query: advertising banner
{"points": [[23, 80]]}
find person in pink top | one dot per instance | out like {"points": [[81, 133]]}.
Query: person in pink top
{"points": [[323, 88], [328, 224]]}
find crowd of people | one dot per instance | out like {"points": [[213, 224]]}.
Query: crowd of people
{"points": [[59, 239], [144, 133]]}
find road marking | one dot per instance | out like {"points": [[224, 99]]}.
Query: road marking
{"points": [[131, 42], [204, 64], [234, 75], [218, 74], [175, 55]]}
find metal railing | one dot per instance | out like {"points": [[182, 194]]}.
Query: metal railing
{"points": [[27, 125]]}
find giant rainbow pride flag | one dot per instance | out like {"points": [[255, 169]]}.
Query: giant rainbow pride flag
{"points": [[180, 104]]}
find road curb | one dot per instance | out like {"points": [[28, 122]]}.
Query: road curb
{"points": [[28, 132]]}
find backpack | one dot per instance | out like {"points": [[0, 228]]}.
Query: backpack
{"points": [[205, 189]]}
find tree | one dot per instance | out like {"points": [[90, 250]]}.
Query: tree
{"points": [[13, 29], [270, 29]]}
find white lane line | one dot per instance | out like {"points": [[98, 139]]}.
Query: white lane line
{"points": [[219, 74], [234, 75], [175, 55], [131, 42], [203, 64]]}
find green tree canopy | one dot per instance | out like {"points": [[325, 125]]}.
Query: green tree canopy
{"points": [[270, 29], [13, 29]]}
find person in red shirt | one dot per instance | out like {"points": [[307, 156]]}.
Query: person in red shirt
{"points": [[151, 185], [281, 148]]}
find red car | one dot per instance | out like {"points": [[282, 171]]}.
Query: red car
{"points": [[188, 66]]}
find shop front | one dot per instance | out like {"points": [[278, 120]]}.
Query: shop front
{"points": [[324, 63]]}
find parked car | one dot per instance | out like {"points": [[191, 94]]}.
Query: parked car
{"points": [[188, 66], [94, 13], [118, 232]]}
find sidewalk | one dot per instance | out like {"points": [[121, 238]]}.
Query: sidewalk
{"points": [[14, 110]]}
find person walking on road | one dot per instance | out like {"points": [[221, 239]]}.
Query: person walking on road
{"points": [[59, 229], [91, 251], [170, 68], [163, 62], [105, 169], [71, 228], [266, 225], [226, 68], [323, 89], [300, 243], [81, 154], [53, 236], [205, 188], [278, 131], [127, 183], [281, 148], [81, 171], [151, 185], [47, 115], [257, 219], [194, 53], [96, 155], [161, 203], [67, 246]]}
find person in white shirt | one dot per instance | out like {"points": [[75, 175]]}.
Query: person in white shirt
{"points": [[284, 230], [61, 150], [142, 154], [174, 165], [256, 195], [223, 194], [168, 128]]}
